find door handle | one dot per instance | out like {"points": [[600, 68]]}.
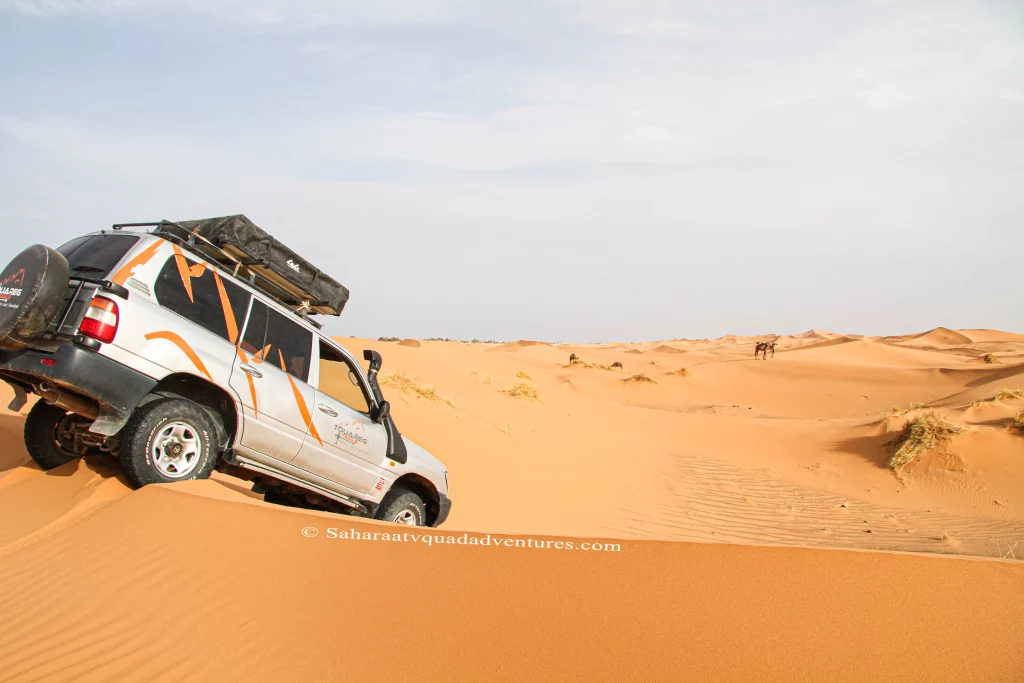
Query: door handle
{"points": [[327, 410], [250, 370]]}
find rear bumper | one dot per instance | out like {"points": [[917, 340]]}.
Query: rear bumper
{"points": [[444, 507], [79, 370]]}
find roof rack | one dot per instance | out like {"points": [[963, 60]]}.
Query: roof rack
{"points": [[204, 248]]}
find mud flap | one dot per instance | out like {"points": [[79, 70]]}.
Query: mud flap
{"points": [[20, 397], [109, 422]]}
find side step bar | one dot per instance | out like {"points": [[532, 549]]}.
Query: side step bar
{"points": [[240, 461]]}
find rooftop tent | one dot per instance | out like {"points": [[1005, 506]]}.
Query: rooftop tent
{"points": [[279, 270]]}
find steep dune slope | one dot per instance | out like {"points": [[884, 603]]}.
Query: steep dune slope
{"points": [[243, 592]]}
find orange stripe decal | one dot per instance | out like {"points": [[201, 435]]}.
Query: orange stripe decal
{"points": [[300, 402], [225, 303], [260, 356], [186, 271], [142, 259], [186, 349], [183, 271], [252, 385]]}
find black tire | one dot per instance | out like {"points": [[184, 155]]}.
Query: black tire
{"points": [[277, 497], [32, 291], [398, 504], [148, 454], [42, 439]]}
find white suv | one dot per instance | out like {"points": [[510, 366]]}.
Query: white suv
{"points": [[180, 355]]}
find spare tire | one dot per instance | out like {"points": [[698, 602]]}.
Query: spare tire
{"points": [[33, 287]]}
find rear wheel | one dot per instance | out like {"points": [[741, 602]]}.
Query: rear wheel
{"points": [[168, 440], [47, 435], [402, 507]]}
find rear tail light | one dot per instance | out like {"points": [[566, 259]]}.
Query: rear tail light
{"points": [[100, 322]]}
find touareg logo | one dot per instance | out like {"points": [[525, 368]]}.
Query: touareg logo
{"points": [[353, 432], [11, 286], [18, 279]]}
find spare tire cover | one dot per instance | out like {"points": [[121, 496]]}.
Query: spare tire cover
{"points": [[32, 290]]}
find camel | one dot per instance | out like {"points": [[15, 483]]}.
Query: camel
{"points": [[762, 348], [617, 364], [573, 358]]}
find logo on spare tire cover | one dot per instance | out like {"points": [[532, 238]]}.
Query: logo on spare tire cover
{"points": [[11, 287], [32, 290]]}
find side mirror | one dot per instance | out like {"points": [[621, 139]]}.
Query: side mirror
{"points": [[383, 410]]}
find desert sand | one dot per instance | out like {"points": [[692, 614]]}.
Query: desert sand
{"points": [[741, 507]]}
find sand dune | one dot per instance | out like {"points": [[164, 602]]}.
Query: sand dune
{"points": [[817, 334], [941, 336], [735, 464], [665, 348], [992, 336], [850, 350], [521, 344], [294, 606]]}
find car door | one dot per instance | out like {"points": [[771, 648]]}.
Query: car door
{"points": [[346, 447], [270, 374]]}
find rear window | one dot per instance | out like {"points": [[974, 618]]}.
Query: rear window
{"points": [[96, 255]]}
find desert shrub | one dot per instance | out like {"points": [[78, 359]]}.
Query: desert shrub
{"points": [[923, 434], [403, 382], [639, 378], [681, 372], [990, 358], [388, 339], [523, 389], [1008, 394], [522, 375]]}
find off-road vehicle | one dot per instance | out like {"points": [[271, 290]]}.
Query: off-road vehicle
{"points": [[185, 347]]}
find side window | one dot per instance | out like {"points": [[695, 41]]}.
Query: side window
{"points": [[274, 339], [339, 380], [254, 341], [197, 292]]}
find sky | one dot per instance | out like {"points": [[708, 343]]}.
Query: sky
{"points": [[569, 170]]}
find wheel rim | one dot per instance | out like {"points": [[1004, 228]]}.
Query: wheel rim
{"points": [[406, 516], [62, 436], [176, 450]]}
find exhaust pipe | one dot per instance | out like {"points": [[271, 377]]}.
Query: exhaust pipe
{"points": [[76, 404]]}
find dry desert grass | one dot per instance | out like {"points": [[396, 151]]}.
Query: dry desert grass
{"points": [[1008, 394], [639, 378], [524, 390], [921, 435], [401, 381]]}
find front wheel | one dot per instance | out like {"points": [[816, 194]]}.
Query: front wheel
{"points": [[402, 507], [168, 440]]}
